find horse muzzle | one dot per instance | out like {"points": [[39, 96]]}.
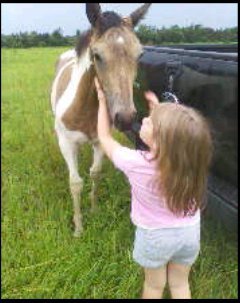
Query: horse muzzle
{"points": [[123, 121]]}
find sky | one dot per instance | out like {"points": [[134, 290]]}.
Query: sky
{"points": [[46, 17]]}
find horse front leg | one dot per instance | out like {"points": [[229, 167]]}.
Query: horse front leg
{"points": [[95, 171], [69, 151]]}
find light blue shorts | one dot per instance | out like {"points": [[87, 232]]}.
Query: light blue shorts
{"points": [[155, 248]]}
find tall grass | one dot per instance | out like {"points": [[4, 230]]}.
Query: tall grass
{"points": [[40, 257]]}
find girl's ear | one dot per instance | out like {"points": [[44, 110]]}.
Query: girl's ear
{"points": [[154, 147], [152, 99]]}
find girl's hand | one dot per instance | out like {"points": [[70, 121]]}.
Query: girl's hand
{"points": [[152, 99], [103, 127], [100, 93]]}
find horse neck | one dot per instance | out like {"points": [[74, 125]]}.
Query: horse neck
{"points": [[84, 72], [82, 82]]}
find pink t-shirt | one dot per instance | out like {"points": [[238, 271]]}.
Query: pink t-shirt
{"points": [[147, 206]]}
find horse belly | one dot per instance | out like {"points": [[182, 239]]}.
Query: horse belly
{"points": [[73, 136]]}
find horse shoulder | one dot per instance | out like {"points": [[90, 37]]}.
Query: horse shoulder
{"points": [[81, 115]]}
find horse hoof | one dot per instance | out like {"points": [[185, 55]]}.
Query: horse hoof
{"points": [[93, 209], [77, 233]]}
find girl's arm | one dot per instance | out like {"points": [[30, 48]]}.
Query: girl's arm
{"points": [[103, 127]]}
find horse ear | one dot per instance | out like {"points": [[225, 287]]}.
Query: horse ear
{"points": [[137, 15], [127, 21], [93, 11]]}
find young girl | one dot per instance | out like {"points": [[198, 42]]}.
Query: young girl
{"points": [[168, 184]]}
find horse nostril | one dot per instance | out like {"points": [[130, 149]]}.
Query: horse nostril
{"points": [[123, 121], [118, 121]]}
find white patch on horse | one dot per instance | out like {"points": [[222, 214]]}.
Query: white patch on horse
{"points": [[55, 83], [120, 40], [68, 54], [72, 135], [79, 68]]}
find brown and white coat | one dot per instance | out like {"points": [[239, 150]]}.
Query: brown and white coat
{"points": [[110, 51]]}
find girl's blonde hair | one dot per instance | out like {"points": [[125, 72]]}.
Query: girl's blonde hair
{"points": [[183, 152]]}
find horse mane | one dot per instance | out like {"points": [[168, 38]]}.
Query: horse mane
{"points": [[104, 22], [83, 42]]}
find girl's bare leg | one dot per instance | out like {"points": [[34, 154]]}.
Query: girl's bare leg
{"points": [[154, 283], [178, 280]]}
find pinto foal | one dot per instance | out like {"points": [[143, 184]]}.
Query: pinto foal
{"points": [[110, 51]]}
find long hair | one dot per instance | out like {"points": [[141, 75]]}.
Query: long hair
{"points": [[183, 152]]}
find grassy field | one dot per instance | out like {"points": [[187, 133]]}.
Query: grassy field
{"points": [[40, 258]]}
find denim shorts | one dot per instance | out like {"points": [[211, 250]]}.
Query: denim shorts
{"points": [[155, 248]]}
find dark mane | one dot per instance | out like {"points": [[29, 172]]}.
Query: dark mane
{"points": [[83, 42], [104, 22], [108, 20]]}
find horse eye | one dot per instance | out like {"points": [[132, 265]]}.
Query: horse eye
{"points": [[97, 57]]}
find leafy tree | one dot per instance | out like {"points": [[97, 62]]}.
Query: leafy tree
{"points": [[147, 34]]}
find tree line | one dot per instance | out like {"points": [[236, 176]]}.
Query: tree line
{"points": [[148, 35]]}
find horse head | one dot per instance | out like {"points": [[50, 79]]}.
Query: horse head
{"points": [[114, 51]]}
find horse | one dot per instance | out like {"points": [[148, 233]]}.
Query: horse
{"points": [[109, 50]]}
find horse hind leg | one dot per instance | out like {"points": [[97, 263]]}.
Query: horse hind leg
{"points": [[95, 170], [69, 151]]}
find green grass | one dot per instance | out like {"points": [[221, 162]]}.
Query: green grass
{"points": [[40, 257]]}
